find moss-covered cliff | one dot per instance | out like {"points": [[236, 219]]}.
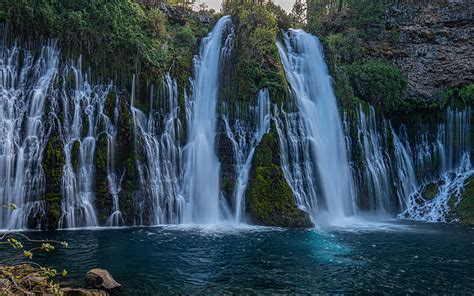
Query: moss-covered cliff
{"points": [[463, 208], [269, 198]]}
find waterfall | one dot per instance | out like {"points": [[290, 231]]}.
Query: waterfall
{"points": [[296, 162], [308, 76], [406, 181], [25, 81], [202, 171], [114, 179], [245, 138], [376, 173], [160, 171], [82, 107], [451, 152]]}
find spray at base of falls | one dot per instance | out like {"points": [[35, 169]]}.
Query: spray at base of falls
{"points": [[307, 73], [202, 167], [24, 85]]}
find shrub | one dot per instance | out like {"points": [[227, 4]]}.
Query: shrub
{"points": [[185, 37], [379, 83], [156, 23], [459, 97]]}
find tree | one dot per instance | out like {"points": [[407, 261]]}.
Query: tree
{"points": [[299, 12]]}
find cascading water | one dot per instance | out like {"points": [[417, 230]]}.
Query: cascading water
{"points": [[201, 177], [406, 183], [24, 85], [376, 174], [451, 151], [245, 138], [114, 179], [81, 108], [296, 161], [308, 76], [160, 174]]}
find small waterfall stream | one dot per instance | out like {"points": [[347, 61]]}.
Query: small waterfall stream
{"points": [[308, 76], [245, 138], [160, 172], [25, 83], [82, 107], [114, 178], [376, 174]]}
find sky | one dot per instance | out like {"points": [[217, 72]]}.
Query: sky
{"points": [[216, 4]]}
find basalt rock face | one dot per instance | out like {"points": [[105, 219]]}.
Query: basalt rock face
{"points": [[434, 47]]}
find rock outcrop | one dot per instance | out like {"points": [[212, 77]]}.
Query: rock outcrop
{"points": [[269, 200], [100, 279], [434, 47]]}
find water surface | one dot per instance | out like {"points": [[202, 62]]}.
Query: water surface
{"points": [[391, 257]]}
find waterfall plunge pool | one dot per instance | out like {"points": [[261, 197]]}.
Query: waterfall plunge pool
{"points": [[391, 257]]}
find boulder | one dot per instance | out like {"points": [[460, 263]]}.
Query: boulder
{"points": [[100, 279]]}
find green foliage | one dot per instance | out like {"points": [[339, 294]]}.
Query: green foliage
{"points": [[114, 36], [380, 83], [367, 15], [463, 208], [156, 23], [256, 62], [27, 278], [116, 26], [185, 37], [346, 46], [459, 97]]}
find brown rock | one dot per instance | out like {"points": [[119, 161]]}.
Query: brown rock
{"points": [[4, 285], [100, 279], [83, 292]]}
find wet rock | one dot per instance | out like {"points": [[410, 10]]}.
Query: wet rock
{"points": [[83, 292], [100, 279]]}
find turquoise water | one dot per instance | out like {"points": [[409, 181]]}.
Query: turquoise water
{"points": [[375, 258]]}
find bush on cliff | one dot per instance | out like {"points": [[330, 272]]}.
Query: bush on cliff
{"points": [[380, 83], [256, 62]]}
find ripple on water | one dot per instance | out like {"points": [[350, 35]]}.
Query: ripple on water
{"points": [[360, 258]]}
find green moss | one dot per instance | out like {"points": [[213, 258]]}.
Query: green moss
{"points": [[52, 165], [54, 209], [464, 210], [269, 199], [255, 63], [430, 191]]}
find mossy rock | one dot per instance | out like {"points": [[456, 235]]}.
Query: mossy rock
{"points": [[430, 191], [269, 199], [464, 211]]}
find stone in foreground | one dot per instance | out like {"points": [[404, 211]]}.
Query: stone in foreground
{"points": [[101, 279]]}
